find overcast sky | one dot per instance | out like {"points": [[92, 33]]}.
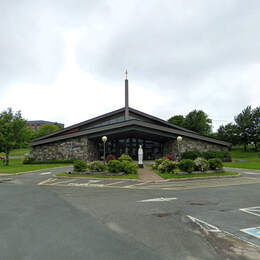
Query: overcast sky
{"points": [[64, 60]]}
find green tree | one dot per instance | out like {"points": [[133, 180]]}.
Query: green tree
{"points": [[255, 137], [198, 121], [47, 129], [245, 124], [177, 120], [13, 131], [229, 133]]}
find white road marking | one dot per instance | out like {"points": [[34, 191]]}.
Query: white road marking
{"points": [[255, 231], [114, 183], [253, 173], [204, 225], [59, 182], [157, 199], [252, 210], [45, 173], [94, 181], [46, 181], [85, 185], [133, 185]]}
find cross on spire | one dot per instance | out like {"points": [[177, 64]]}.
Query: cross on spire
{"points": [[126, 73]]}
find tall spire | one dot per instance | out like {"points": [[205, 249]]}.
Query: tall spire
{"points": [[126, 97]]}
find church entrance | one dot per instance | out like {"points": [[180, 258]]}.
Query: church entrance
{"points": [[152, 149]]}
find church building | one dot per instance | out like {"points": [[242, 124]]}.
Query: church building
{"points": [[125, 129]]}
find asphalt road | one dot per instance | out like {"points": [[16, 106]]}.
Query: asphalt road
{"points": [[113, 220]]}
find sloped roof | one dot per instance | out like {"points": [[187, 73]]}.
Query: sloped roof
{"points": [[157, 123]]}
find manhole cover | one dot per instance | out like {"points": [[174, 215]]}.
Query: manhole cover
{"points": [[162, 215]]}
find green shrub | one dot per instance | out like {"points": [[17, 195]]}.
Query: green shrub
{"points": [[114, 166], [96, 166], [167, 166], [215, 164], [190, 155], [125, 157], [129, 167], [158, 162], [209, 155], [201, 164], [79, 166], [186, 165]]}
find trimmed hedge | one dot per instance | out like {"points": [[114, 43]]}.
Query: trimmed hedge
{"points": [[125, 157], [167, 166], [187, 165], [79, 166], [215, 164], [96, 166], [201, 164], [114, 166]]}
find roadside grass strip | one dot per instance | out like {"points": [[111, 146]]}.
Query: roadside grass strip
{"points": [[162, 199], [252, 210], [204, 225], [254, 231]]}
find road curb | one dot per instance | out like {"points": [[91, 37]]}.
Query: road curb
{"points": [[162, 181], [19, 173], [96, 178], [204, 178]]}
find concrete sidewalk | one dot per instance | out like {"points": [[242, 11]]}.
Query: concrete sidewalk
{"points": [[147, 174]]}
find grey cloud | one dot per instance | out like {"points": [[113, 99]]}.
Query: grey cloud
{"points": [[172, 41], [32, 44]]}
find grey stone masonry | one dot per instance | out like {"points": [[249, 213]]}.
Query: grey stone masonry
{"points": [[80, 148], [188, 144]]}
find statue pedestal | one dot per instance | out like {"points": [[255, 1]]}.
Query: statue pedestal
{"points": [[140, 165]]}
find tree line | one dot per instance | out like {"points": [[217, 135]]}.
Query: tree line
{"points": [[244, 131], [14, 132]]}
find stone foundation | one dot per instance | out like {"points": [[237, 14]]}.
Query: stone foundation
{"points": [[79, 148], [189, 144]]}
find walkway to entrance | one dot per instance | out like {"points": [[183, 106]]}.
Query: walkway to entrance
{"points": [[147, 174]]}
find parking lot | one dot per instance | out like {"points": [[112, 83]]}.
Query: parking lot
{"points": [[215, 218]]}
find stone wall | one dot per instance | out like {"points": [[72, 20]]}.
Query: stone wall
{"points": [[189, 144], [79, 148]]}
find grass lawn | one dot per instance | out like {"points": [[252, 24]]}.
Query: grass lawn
{"points": [[245, 160], [127, 176], [17, 152], [194, 175], [16, 165]]}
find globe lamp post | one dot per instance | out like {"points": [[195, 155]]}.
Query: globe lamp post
{"points": [[104, 139], [179, 140]]}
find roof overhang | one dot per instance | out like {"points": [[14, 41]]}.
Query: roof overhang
{"points": [[131, 126]]}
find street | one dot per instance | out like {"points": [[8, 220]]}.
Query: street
{"points": [[45, 217]]}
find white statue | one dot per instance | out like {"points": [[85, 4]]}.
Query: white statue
{"points": [[140, 156]]}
